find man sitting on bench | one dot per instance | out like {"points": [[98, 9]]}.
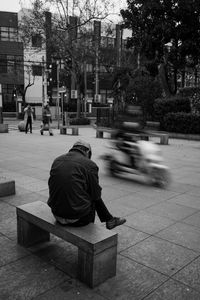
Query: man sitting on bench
{"points": [[74, 190]]}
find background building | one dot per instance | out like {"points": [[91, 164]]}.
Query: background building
{"points": [[11, 60]]}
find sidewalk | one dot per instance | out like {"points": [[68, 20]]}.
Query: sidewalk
{"points": [[158, 246]]}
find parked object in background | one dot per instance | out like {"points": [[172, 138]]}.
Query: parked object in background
{"points": [[21, 126]]}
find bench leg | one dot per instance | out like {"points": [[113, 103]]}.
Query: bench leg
{"points": [[29, 234], [62, 130], [99, 134], [164, 140], [145, 138], [74, 131], [95, 269]]}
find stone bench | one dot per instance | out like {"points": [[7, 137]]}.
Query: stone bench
{"points": [[97, 246], [164, 137], [7, 187], [101, 130], [64, 129]]}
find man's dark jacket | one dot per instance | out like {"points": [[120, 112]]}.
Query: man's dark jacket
{"points": [[73, 185]]}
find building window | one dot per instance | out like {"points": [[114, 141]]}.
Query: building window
{"points": [[37, 70], [37, 41], [3, 63], [12, 64], [89, 68], [8, 34]]}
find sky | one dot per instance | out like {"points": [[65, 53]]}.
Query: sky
{"points": [[15, 5]]}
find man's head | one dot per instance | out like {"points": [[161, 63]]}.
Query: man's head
{"points": [[83, 147]]}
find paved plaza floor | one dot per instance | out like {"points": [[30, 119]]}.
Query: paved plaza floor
{"points": [[158, 246]]}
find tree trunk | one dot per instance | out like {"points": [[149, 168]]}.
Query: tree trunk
{"points": [[183, 78], [78, 100], [164, 79]]}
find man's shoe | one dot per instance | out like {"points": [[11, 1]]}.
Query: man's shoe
{"points": [[41, 132], [114, 222]]}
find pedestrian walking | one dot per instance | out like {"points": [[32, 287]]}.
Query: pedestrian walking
{"points": [[28, 118], [46, 119], [74, 190]]}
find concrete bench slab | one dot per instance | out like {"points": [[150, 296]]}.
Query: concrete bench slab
{"points": [[7, 187], [65, 129], [3, 128], [100, 131], [97, 246]]}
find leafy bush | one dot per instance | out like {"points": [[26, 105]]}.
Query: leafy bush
{"points": [[98, 104], [193, 93], [181, 122], [188, 91], [171, 105], [79, 121]]}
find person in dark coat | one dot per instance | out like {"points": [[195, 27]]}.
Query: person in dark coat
{"points": [[28, 117], [74, 190]]}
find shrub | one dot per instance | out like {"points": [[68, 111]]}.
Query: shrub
{"points": [[193, 93], [79, 121], [171, 105], [181, 122], [98, 104]]}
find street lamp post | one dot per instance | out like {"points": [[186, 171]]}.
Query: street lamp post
{"points": [[58, 95]]}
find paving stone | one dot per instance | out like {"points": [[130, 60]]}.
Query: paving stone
{"points": [[25, 198], [170, 210], [187, 200], [136, 200], [10, 251], [60, 254], [8, 227], [117, 208], [193, 220], [160, 255], [149, 209], [147, 222], [28, 277], [6, 211], [128, 236], [66, 291], [133, 281], [111, 193], [173, 290], [190, 275], [182, 234]]}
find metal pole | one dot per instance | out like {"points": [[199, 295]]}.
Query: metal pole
{"points": [[43, 81], [57, 104], [85, 87], [96, 73]]}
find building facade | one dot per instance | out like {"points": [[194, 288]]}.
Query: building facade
{"points": [[11, 60]]}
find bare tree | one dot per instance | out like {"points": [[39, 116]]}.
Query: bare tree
{"points": [[70, 37]]}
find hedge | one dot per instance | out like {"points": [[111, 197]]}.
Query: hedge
{"points": [[171, 105], [181, 122], [79, 121]]}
